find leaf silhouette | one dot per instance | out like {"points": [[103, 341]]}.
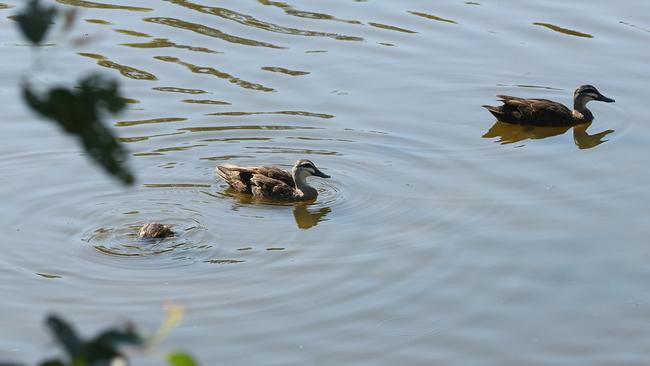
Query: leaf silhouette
{"points": [[35, 20], [79, 112]]}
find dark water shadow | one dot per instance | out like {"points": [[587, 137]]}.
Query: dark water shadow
{"points": [[508, 133]]}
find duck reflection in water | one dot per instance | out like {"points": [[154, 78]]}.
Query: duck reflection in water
{"points": [[305, 216], [509, 133]]}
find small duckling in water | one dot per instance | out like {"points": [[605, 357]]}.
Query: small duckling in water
{"points": [[155, 230]]}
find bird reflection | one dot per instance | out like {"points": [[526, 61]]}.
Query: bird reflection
{"points": [[508, 133], [305, 216], [586, 141]]}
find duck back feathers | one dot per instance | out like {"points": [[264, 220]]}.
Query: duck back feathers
{"points": [[539, 112], [262, 181]]}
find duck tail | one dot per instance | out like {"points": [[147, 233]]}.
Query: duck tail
{"points": [[496, 111], [237, 177], [222, 171]]}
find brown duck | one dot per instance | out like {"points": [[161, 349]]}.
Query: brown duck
{"points": [[155, 230], [544, 112], [271, 182]]}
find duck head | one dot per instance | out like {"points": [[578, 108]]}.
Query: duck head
{"points": [[305, 168], [587, 93]]}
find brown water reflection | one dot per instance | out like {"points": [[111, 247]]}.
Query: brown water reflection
{"points": [[98, 21], [172, 89], [128, 71], [90, 4], [226, 157], [205, 101], [293, 151], [132, 33], [256, 23], [207, 31], [288, 113], [567, 31], [283, 70], [390, 27], [244, 127], [145, 138], [165, 43], [224, 261], [508, 133], [149, 121], [215, 72], [290, 10], [433, 17]]}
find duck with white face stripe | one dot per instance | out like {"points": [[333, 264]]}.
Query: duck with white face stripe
{"points": [[544, 112], [273, 183], [583, 95]]}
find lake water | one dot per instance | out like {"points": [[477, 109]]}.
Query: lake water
{"points": [[441, 238]]}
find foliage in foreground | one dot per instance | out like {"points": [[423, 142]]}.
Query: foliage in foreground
{"points": [[109, 348], [80, 110]]}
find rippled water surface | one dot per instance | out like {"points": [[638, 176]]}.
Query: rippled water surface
{"points": [[441, 238]]}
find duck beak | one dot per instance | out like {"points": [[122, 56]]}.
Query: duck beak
{"points": [[602, 98], [318, 173]]}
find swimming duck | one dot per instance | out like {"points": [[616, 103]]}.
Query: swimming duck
{"points": [[155, 230], [271, 182], [543, 112]]}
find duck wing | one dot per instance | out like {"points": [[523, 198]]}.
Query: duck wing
{"points": [[276, 173], [539, 112], [264, 186], [240, 177]]}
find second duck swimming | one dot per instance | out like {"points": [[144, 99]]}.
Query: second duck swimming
{"points": [[271, 182], [544, 112]]}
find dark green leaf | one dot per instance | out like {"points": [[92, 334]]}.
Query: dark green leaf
{"points": [[51, 363], [114, 337], [99, 354], [80, 111], [64, 333], [180, 359], [106, 346], [35, 20]]}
